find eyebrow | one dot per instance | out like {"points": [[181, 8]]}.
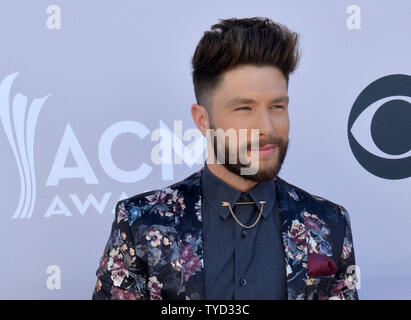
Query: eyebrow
{"points": [[241, 100]]}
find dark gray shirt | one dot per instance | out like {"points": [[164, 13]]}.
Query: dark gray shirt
{"points": [[241, 263]]}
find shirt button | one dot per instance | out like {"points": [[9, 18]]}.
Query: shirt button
{"points": [[243, 233], [243, 282]]}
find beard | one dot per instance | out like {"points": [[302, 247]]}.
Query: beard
{"points": [[264, 173]]}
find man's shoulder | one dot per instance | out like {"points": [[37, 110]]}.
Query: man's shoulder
{"points": [[312, 202], [161, 200]]}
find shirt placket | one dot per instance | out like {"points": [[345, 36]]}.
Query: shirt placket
{"points": [[243, 246]]}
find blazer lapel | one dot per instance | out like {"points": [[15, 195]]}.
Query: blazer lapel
{"points": [[293, 235], [190, 191]]}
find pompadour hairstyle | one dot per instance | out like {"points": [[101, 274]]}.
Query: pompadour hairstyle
{"points": [[233, 42]]}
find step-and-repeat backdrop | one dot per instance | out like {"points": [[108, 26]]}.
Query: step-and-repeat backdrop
{"points": [[88, 87]]}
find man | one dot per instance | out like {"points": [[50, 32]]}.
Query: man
{"points": [[219, 233]]}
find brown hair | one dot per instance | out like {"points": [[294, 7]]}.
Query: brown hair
{"points": [[232, 42]]}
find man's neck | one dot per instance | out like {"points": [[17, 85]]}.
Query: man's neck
{"points": [[230, 178]]}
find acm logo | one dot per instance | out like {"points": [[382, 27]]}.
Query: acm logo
{"points": [[19, 121], [379, 127], [19, 124]]}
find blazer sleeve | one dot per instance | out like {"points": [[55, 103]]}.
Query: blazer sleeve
{"points": [[344, 286], [121, 275]]}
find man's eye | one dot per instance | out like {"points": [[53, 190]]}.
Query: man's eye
{"points": [[242, 108], [278, 106]]}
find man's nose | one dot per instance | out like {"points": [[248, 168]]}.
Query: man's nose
{"points": [[264, 124]]}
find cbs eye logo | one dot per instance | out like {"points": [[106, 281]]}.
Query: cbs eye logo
{"points": [[379, 127]]}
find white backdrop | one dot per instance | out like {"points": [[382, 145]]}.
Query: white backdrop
{"points": [[84, 84]]}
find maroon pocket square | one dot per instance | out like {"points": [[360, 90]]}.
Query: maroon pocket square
{"points": [[320, 265]]}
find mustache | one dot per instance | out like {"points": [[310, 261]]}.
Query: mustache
{"points": [[269, 140]]}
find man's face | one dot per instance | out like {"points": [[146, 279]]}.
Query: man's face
{"points": [[252, 97]]}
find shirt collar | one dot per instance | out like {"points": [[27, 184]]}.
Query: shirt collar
{"points": [[216, 191]]}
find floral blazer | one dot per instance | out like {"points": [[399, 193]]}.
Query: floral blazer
{"points": [[155, 249]]}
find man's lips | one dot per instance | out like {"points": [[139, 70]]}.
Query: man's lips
{"points": [[265, 147], [265, 150]]}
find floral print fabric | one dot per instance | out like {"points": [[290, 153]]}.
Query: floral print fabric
{"points": [[155, 251]]}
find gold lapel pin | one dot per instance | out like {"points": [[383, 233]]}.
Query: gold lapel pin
{"points": [[226, 203]]}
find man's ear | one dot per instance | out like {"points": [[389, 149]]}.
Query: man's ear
{"points": [[200, 118]]}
